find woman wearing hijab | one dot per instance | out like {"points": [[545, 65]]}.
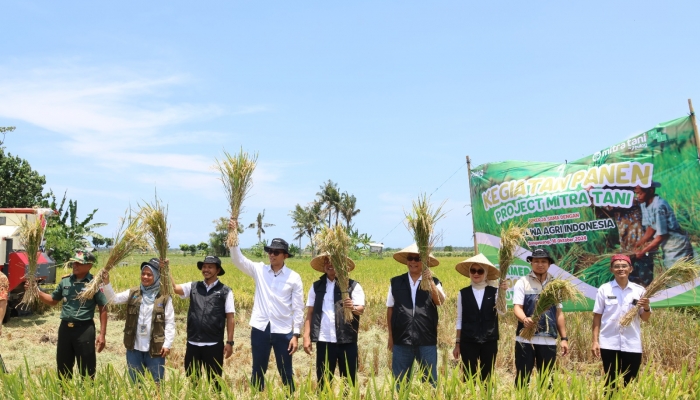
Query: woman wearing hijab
{"points": [[149, 330], [477, 317]]}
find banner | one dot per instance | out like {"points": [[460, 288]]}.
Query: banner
{"points": [[640, 197]]}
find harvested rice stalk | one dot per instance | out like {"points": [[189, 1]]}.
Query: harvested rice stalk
{"points": [[155, 221], [555, 292], [30, 236], [512, 236], [236, 175], [130, 236], [336, 242], [683, 272], [421, 222]]}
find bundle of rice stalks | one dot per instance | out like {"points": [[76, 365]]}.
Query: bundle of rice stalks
{"points": [[555, 292], [512, 235], [336, 242], [421, 222], [30, 236], [236, 175], [130, 236], [155, 221], [683, 272]]}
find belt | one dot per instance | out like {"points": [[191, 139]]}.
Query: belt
{"points": [[73, 324]]}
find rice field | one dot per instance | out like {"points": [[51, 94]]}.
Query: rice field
{"points": [[28, 348]]}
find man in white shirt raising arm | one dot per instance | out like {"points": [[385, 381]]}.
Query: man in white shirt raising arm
{"points": [[278, 310]]}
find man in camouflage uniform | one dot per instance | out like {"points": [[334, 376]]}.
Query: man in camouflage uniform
{"points": [[76, 334]]}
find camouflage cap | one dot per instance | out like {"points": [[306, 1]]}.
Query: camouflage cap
{"points": [[83, 257]]}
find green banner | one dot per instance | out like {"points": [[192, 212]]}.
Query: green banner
{"points": [[640, 197]]}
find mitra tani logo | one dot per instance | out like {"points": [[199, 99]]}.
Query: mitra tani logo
{"points": [[639, 142]]}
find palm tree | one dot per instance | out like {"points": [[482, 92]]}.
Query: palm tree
{"points": [[307, 221], [260, 225], [329, 197], [347, 208]]}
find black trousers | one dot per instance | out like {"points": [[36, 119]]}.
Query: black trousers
{"points": [[528, 356], [328, 355], [76, 344], [617, 362], [478, 358], [209, 357]]}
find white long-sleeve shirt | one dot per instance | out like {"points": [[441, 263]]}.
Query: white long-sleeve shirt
{"points": [[143, 342], [279, 298]]}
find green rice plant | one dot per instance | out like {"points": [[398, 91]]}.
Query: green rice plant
{"points": [[555, 292], [30, 236], [421, 222], [237, 176], [336, 242], [683, 272], [155, 221]]}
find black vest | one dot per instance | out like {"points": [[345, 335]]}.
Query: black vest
{"points": [[206, 319], [479, 326], [345, 332], [407, 327]]}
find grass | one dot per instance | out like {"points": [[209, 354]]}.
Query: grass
{"points": [[670, 342]]}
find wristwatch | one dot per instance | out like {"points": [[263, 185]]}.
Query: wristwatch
{"points": [[230, 342], [296, 335], [564, 338]]}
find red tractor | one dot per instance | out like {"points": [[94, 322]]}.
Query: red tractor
{"points": [[13, 258]]}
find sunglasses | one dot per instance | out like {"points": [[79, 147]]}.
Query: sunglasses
{"points": [[413, 258], [476, 271], [275, 252]]}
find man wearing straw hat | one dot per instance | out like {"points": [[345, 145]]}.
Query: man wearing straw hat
{"points": [[76, 334], [541, 350], [412, 317], [278, 310], [325, 322], [477, 317], [212, 309]]}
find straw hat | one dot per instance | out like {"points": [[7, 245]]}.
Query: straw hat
{"points": [[317, 262], [478, 260], [400, 256]]}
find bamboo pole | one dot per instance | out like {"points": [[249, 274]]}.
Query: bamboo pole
{"points": [[695, 126], [471, 204]]}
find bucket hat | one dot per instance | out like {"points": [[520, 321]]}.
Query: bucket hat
{"points": [[153, 263], [278, 244], [212, 260], [540, 253], [83, 257]]}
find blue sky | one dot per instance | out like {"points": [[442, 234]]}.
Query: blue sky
{"points": [[113, 100]]}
